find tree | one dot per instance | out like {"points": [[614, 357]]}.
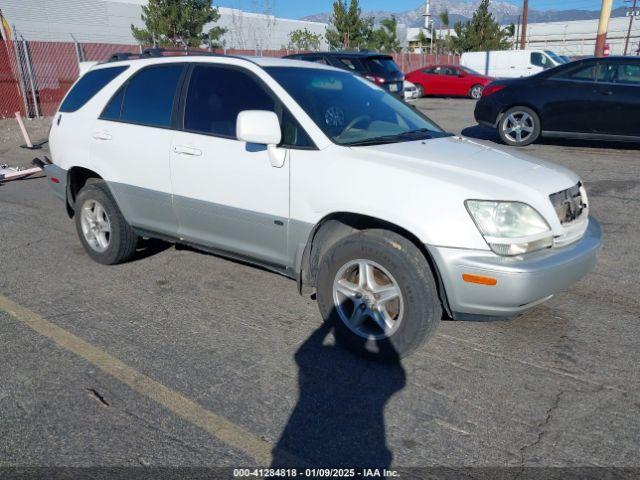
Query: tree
{"points": [[385, 38], [444, 20], [304, 39], [348, 29], [178, 23], [481, 33]]}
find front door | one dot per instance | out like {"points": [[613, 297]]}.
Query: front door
{"points": [[227, 194], [571, 103]]}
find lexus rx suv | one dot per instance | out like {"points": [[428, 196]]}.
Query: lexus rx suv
{"points": [[320, 175]]}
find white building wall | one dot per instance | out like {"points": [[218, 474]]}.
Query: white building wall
{"points": [[578, 38], [109, 21]]}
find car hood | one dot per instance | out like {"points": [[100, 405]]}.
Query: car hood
{"points": [[487, 171]]}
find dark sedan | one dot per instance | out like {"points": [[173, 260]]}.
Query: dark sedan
{"points": [[595, 98]]}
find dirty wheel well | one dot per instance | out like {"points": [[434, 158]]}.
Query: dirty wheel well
{"points": [[77, 178]]}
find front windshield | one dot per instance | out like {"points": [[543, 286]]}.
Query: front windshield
{"points": [[469, 70], [554, 57], [352, 111]]}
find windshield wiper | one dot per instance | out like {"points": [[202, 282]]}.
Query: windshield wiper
{"points": [[417, 134]]}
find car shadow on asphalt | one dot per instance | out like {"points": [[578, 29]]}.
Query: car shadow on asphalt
{"points": [[148, 247], [338, 421], [480, 132]]}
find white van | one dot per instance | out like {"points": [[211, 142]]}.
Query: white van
{"points": [[510, 63]]}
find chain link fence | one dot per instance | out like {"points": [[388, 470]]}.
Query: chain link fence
{"points": [[35, 75]]}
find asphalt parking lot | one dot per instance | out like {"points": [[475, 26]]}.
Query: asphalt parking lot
{"points": [[181, 358]]}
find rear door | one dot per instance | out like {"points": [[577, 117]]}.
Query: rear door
{"points": [[132, 140]]}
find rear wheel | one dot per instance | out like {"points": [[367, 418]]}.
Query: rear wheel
{"points": [[105, 234], [519, 126], [475, 92], [377, 290]]}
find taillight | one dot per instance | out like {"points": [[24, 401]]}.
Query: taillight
{"points": [[374, 79], [491, 89]]}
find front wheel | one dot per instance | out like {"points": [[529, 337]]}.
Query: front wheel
{"points": [[519, 126], [475, 92], [377, 290], [420, 90]]}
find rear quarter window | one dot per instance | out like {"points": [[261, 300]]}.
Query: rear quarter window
{"points": [[86, 88]]}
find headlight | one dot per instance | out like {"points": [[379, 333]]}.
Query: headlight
{"points": [[510, 228]]}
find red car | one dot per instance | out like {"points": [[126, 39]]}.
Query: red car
{"points": [[451, 80]]}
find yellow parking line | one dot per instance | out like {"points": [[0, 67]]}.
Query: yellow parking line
{"points": [[219, 427]]}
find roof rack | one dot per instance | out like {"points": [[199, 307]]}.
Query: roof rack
{"points": [[159, 52]]}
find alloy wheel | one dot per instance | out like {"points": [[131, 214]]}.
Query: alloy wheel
{"points": [[476, 92], [96, 226], [518, 126], [368, 299]]}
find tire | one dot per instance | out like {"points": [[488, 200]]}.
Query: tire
{"points": [[420, 90], [475, 92], [97, 211], [529, 130], [413, 315]]}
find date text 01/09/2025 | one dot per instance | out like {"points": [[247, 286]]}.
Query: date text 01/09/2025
{"points": [[314, 473]]}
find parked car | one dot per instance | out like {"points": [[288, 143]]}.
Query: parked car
{"points": [[596, 98], [410, 90], [453, 80], [510, 63], [320, 176], [378, 68]]}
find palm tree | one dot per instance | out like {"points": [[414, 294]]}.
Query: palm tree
{"points": [[444, 20]]}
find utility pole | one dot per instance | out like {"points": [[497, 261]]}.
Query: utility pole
{"points": [[603, 26], [631, 14], [517, 39], [523, 37]]}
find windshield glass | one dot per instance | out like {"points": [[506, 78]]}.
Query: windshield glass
{"points": [[352, 111], [554, 57], [382, 66], [469, 70]]}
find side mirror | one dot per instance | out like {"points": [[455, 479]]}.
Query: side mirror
{"points": [[258, 126]]}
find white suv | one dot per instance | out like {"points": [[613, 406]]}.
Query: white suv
{"points": [[321, 176]]}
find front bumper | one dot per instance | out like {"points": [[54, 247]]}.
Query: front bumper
{"points": [[522, 282]]}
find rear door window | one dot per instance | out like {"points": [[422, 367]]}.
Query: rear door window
{"points": [[148, 99], [351, 64], [628, 74], [90, 84]]}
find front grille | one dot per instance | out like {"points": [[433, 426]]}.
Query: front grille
{"points": [[568, 204]]}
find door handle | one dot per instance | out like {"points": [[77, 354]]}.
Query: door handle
{"points": [[186, 150], [102, 136], [605, 92]]}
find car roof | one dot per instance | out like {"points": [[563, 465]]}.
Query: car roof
{"points": [[344, 54], [217, 59]]}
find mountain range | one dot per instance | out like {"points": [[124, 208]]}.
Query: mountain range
{"points": [[462, 10]]}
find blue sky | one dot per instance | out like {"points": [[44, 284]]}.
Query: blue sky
{"points": [[300, 8]]}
